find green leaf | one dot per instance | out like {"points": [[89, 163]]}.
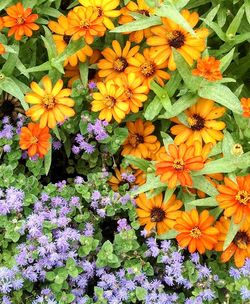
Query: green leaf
{"points": [[140, 293], [49, 11], [216, 212], [48, 160], [49, 43], [138, 162], [162, 94], [50, 276], [73, 47], [173, 84], [222, 95], [153, 182], [204, 185], [233, 27], [4, 4], [181, 3], [216, 28], [227, 144], [167, 139], [205, 202], [171, 234], [211, 14], [40, 68], [11, 62], [153, 109], [137, 25], [226, 60], [84, 73], [169, 10], [247, 9], [8, 85], [233, 229], [192, 82]]}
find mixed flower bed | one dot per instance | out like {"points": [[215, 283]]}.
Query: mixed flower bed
{"points": [[124, 151]]}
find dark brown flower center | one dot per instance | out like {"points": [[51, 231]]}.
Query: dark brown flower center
{"points": [[196, 122], [195, 233], [135, 140], [243, 197], [148, 69], [10, 106], [66, 38], [178, 164], [100, 11], [143, 12], [157, 215], [176, 39], [242, 240], [120, 64]]}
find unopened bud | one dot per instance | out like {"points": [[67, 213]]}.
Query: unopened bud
{"points": [[237, 150]]}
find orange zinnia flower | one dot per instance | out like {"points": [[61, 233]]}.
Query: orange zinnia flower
{"points": [[20, 20], [196, 231], [140, 8], [51, 104], [148, 68], [140, 141], [109, 101], [85, 22], [35, 139], [234, 197], [202, 124], [245, 103], [134, 91], [171, 35], [177, 165], [62, 40], [2, 49], [116, 60], [156, 214], [208, 68], [239, 247]]}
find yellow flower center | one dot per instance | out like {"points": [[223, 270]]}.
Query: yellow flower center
{"points": [[196, 122], [195, 233], [20, 20], [135, 140], [129, 93], [34, 140], [157, 215], [178, 164], [109, 101], [48, 101], [242, 240], [120, 64], [148, 69], [243, 197], [84, 24], [176, 39]]}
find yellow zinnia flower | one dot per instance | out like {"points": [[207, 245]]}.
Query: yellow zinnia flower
{"points": [[106, 9], [51, 104], [134, 91], [203, 125], [109, 101], [142, 8], [147, 68], [171, 35], [116, 60], [62, 40]]}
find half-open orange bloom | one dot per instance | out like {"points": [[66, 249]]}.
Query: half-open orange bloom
{"points": [[202, 124], [245, 104], [51, 104], [62, 40], [20, 20], [234, 197], [171, 35], [140, 141], [148, 68], [142, 8], [85, 22], [208, 68], [196, 231], [177, 165], [135, 92], [239, 247], [35, 139], [115, 60], [156, 214]]}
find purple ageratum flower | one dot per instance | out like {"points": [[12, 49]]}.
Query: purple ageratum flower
{"points": [[89, 229], [76, 150], [123, 225], [207, 295], [96, 195], [195, 258], [124, 199], [78, 180], [6, 300], [6, 148], [57, 145], [98, 129], [5, 120], [153, 247], [92, 85], [235, 273], [245, 293], [13, 201]]}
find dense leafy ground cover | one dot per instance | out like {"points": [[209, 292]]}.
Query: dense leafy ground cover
{"points": [[124, 151]]}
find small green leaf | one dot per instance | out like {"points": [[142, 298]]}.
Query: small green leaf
{"points": [[84, 73], [205, 202], [73, 47], [140, 293], [216, 28], [204, 185], [247, 9], [173, 84], [167, 139], [233, 229], [137, 25], [153, 182], [4, 4], [226, 60], [48, 160], [227, 144], [233, 27], [222, 95], [153, 109], [171, 234], [50, 276], [138, 162]]}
